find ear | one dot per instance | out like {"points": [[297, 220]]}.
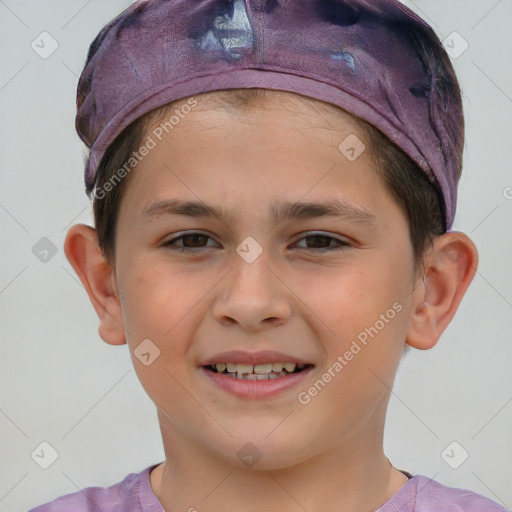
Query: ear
{"points": [[449, 267], [84, 255]]}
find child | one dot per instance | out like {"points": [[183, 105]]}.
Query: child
{"points": [[262, 127]]}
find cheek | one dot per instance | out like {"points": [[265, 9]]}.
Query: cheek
{"points": [[155, 295], [367, 309], [156, 300], [164, 307], [356, 297], [167, 304]]}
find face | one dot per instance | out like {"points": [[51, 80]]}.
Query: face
{"points": [[330, 293]]}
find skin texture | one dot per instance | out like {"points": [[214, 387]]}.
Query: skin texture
{"points": [[294, 298]]}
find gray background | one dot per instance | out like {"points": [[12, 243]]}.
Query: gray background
{"points": [[60, 383]]}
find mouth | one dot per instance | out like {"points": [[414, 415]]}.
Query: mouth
{"points": [[256, 375], [257, 372]]}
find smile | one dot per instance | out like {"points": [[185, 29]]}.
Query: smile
{"points": [[267, 371], [257, 382]]}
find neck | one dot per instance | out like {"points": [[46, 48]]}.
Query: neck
{"points": [[352, 476]]}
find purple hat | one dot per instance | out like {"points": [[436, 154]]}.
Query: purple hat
{"points": [[374, 58]]}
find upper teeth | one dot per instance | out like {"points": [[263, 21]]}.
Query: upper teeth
{"points": [[259, 369]]}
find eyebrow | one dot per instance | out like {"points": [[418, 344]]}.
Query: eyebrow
{"points": [[279, 212]]}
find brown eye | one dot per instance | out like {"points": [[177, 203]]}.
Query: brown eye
{"points": [[323, 242], [189, 241]]}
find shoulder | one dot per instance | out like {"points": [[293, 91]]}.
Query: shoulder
{"points": [[125, 496], [430, 496]]}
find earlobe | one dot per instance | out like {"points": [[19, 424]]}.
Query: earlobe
{"points": [[450, 266], [97, 276]]}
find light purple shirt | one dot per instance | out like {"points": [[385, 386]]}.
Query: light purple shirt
{"points": [[134, 494]]}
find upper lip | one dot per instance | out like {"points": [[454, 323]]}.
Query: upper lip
{"points": [[246, 357]]}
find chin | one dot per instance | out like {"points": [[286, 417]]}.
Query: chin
{"points": [[263, 449]]}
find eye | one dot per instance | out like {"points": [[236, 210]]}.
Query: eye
{"points": [[191, 242], [194, 241], [321, 242]]}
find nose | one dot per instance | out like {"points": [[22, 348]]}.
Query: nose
{"points": [[253, 296]]}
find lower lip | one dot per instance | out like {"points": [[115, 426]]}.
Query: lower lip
{"points": [[256, 388]]}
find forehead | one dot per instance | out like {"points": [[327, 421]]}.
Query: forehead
{"points": [[243, 102], [225, 144]]}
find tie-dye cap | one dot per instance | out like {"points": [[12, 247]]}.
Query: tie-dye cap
{"points": [[374, 58]]}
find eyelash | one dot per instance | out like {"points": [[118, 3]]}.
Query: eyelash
{"points": [[170, 243]]}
